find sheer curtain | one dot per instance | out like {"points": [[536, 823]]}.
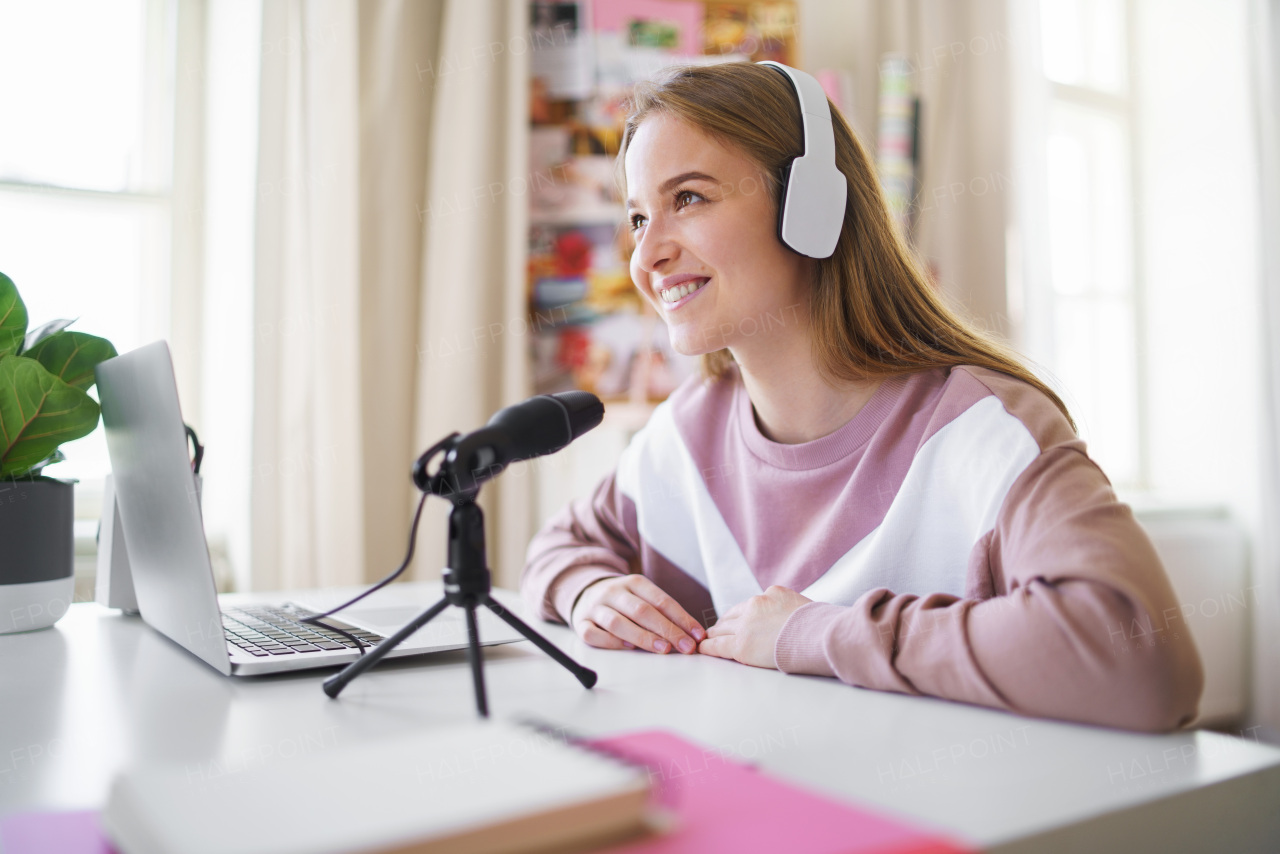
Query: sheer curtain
{"points": [[399, 41], [1266, 614], [379, 121], [472, 352], [306, 490]]}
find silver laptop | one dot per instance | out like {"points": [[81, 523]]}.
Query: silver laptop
{"points": [[173, 578]]}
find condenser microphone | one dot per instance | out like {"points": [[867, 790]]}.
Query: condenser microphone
{"points": [[541, 425], [538, 426], [546, 423]]}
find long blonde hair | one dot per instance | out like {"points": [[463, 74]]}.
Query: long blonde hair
{"points": [[874, 312]]}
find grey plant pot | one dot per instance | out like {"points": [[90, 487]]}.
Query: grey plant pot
{"points": [[37, 552]]}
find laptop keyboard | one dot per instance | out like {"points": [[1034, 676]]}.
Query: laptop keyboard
{"points": [[263, 630]]}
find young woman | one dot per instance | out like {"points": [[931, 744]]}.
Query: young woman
{"points": [[861, 486]]}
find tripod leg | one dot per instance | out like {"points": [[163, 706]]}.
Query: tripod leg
{"points": [[333, 685], [584, 675], [477, 661]]}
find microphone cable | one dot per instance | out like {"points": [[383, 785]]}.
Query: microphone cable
{"points": [[404, 564], [408, 555]]}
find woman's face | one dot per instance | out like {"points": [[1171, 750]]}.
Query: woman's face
{"points": [[707, 254]]}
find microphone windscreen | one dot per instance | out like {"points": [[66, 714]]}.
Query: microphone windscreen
{"points": [[585, 411], [531, 428], [545, 423]]}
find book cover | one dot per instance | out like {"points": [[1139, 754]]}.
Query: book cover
{"points": [[722, 805]]}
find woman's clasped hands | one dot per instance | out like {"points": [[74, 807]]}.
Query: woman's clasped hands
{"points": [[631, 612]]}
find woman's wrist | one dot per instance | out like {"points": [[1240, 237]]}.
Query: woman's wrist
{"points": [[578, 598], [801, 643], [569, 584]]}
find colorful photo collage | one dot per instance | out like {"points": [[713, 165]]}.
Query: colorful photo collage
{"points": [[591, 329]]}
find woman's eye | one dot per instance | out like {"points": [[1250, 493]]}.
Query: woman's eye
{"points": [[685, 197]]}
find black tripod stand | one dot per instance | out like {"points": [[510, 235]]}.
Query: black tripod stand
{"points": [[466, 578]]}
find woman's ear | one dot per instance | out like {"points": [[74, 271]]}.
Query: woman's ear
{"points": [[780, 199]]}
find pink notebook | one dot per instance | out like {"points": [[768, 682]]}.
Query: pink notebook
{"points": [[719, 806], [53, 832], [722, 805]]}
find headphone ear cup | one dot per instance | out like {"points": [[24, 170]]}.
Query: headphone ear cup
{"points": [[810, 224]]}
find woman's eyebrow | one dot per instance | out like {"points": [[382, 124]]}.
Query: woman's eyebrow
{"points": [[672, 183]]}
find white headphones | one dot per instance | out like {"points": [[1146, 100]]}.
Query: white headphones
{"points": [[814, 190]]}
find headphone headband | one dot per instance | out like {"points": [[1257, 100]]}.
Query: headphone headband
{"points": [[811, 213]]}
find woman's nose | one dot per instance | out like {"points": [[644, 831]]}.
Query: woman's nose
{"points": [[656, 247]]}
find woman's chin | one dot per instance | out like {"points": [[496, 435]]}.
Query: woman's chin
{"points": [[691, 344]]}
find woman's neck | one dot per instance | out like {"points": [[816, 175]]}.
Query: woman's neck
{"points": [[792, 402]]}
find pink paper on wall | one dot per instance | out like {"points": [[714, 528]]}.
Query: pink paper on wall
{"points": [[616, 15]]}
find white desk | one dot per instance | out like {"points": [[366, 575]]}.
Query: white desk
{"points": [[98, 691]]}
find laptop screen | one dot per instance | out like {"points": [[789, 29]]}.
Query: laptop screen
{"points": [[158, 503]]}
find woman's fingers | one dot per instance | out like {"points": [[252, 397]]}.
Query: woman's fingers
{"points": [[596, 636], [721, 646], [599, 623], [666, 635], [722, 638], [721, 628], [621, 626], [632, 611], [681, 621]]}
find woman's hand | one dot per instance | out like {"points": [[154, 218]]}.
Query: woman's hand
{"points": [[750, 630], [631, 612]]}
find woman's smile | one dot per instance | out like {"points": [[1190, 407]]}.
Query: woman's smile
{"points": [[677, 291]]}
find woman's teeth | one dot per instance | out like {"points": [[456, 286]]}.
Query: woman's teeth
{"points": [[681, 291]]}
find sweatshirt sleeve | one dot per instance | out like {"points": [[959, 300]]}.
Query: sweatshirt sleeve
{"points": [[590, 539], [1068, 614]]}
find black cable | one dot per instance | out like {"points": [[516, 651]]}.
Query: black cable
{"points": [[199, 449], [413, 536]]}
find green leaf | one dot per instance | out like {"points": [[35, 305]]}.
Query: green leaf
{"points": [[13, 316], [70, 356], [56, 457], [35, 336], [38, 412]]}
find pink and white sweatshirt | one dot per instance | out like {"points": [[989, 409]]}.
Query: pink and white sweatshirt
{"points": [[955, 537]]}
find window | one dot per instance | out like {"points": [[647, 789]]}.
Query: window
{"points": [[1136, 237], [86, 175], [1093, 290]]}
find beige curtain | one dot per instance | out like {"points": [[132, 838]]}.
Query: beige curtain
{"points": [[400, 41], [381, 125], [473, 358], [307, 494]]}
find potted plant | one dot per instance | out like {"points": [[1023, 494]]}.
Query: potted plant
{"points": [[45, 377]]}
